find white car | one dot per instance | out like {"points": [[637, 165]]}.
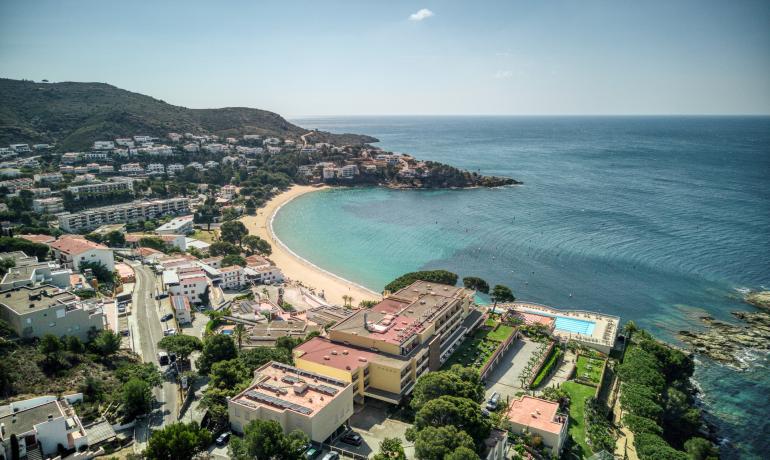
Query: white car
{"points": [[169, 332]]}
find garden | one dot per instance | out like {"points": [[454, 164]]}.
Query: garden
{"points": [[589, 370], [478, 349]]}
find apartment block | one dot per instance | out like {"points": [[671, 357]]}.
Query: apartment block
{"points": [[51, 205], [383, 350], [28, 271], [101, 188], [122, 213]]}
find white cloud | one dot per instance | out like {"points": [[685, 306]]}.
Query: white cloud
{"points": [[502, 74], [420, 15]]}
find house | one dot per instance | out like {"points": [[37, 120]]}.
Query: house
{"points": [[317, 405], [264, 275], [156, 168], [41, 425], [214, 148], [34, 311], [174, 137], [182, 311], [20, 148], [101, 156], [71, 157], [28, 271], [233, 277], [104, 145], [51, 178], [349, 171], [190, 147], [142, 139], [124, 142], [14, 185], [131, 168], [191, 284], [174, 168], [539, 417], [305, 170], [149, 255], [228, 192], [51, 205], [182, 225], [71, 251], [385, 349]]}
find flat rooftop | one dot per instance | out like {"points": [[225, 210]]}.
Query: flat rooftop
{"points": [[25, 420], [401, 315], [27, 299], [537, 413], [343, 357], [280, 387]]}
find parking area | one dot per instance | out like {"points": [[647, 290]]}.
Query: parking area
{"points": [[505, 377], [374, 425]]}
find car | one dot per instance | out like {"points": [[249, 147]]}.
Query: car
{"points": [[223, 438], [352, 438], [163, 358], [162, 295], [125, 332], [166, 317], [331, 456], [312, 453], [171, 331], [494, 400]]}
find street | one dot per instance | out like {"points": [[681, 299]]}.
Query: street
{"points": [[148, 330]]}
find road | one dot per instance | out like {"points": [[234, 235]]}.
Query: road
{"points": [[147, 331]]}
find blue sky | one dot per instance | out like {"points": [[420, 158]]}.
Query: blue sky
{"points": [[365, 57]]}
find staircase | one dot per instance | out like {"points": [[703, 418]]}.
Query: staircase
{"points": [[34, 453]]}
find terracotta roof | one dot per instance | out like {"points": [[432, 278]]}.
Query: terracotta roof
{"points": [[43, 239], [536, 413], [231, 268], [75, 245], [144, 252], [325, 352]]}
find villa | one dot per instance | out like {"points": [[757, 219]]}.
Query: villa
{"points": [[539, 417]]}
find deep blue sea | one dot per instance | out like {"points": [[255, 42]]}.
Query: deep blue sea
{"points": [[655, 219]]}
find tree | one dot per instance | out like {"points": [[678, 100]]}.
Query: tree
{"points": [[701, 449], [258, 356], [391, 449], [435, 443], [629, 328], [50, 346], [216, 348], [478, 284], [239, 332], [226, 375], [100, 271], [153, 242], [181, 345], [347, 300], [115, 238], [233, 259], [457, 381], [256, 244], [74, 344], [92, 389], [136, 397], [264, 439], [146, 372], [5, 265], [177, 441], [461, 413], [223, 248], [502, 293], [106, 343], [288, 343], [432, 276], [233, 232], [462, 453]]}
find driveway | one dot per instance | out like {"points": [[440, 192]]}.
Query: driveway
{"points": [[374, 425], [505, 378]]}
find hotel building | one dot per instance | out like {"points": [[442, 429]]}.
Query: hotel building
{"points": [[382, 351]]}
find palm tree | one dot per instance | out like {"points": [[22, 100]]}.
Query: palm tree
{"points": [[239, 332], [347, 300]]}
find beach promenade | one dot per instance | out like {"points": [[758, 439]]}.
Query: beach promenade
{"points": [[295, 268]]}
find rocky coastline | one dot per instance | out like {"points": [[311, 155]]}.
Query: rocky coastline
{"points": [[729, 343]]}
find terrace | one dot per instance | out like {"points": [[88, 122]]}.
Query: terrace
{"points": [[477, 349]]}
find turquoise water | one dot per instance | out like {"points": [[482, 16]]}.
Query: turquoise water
{"points": [[566, 324], [658, 220]]}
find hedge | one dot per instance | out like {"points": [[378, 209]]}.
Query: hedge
{"points": [[546, 370]]}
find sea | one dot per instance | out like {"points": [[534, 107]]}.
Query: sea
{"points": [[659, 220]]}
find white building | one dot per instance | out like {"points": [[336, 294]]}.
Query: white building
{"points": [[214, 148], [182, 311], [131, 168], [178, 226], [99, 156], [124, 142], [71, 157], [142, 139], [329, 173], [175, 137], [104, 145], [175, 168], [349, 171], [72, 251], [190, 285], [228, 192], [51, 178], [156, 168], [100, 188], [51, 205], [135, 211], [233, 277], [20, 148], [190, 147]]}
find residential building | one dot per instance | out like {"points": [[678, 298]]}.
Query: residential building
{"points": [[71, 157], [101, 188], [37, 192], [71, 251], [6, 152], [214, 262], [142, 139], [28, 271], [124, 142], [385, 349], [211, 164], [159, 150], [182, 311], [190, 284], [264, 275], [20, 148], [14, 185], [315, 404], [131, 168], [182, 225], [42, 239], [349, 171], [33, 311], [53, 205], [329, 173], [233, 277], [539, 417], [156, 168], [272, 141], [190, 147], [271, 149], [51, 178], [174, 137], [174, 168], [106, 169], [135, 211], [228, 192], [100, 156], [104, 145], [41, 425], [306, 170], [251, 137], [215, 148], [177, 241]]}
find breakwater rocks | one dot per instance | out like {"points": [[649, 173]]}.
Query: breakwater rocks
{"points": [[760, 299], [729, 343]]}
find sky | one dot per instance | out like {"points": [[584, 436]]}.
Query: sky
{"points": [[311, 58]]}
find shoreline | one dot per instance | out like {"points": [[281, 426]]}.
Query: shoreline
{"points": [[294, 267]]}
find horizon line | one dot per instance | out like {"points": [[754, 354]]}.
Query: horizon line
{"points": [[542, 115]]}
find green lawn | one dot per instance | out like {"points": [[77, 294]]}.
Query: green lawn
{"points": [[477, 349], [578, 394], [589, 369], [204, 235]]}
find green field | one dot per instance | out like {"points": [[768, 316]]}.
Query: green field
{"points": [[578, 394], [589, 369], [204, 235], [477, 349]]}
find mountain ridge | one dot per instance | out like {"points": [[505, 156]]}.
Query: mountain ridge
{"points": [[75, 114]]}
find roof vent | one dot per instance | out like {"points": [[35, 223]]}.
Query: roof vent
{"points": [[362, 359], [334, 352], [347, 368], [345, 352], [326, 358]]}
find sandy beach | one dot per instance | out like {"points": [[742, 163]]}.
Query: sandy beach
{"points": [[296, 268]]}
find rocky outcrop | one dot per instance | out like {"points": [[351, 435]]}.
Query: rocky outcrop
{"points": [[760, 299], [728, 343]]}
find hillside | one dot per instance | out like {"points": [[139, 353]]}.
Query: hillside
{"points": [[73, 115]]}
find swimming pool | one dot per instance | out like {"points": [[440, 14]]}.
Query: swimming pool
{"points": [[567, 324]]}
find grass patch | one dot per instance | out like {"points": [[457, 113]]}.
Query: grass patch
{"points": [[477, 349], [205, 235], [578, 393], [589, 369], [500, 334]]}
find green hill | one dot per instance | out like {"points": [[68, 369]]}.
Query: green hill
{"points": [[73, 115]]}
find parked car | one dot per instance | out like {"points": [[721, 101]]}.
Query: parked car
{"points": [[166, 317], [163, 358], [125, 332], [162, 295], [493, 401], [352, 438], [331, 456], [312, 453], [223, 438], [171, 331]]}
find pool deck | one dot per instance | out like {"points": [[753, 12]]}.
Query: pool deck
{"points": [[605, 326]]}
